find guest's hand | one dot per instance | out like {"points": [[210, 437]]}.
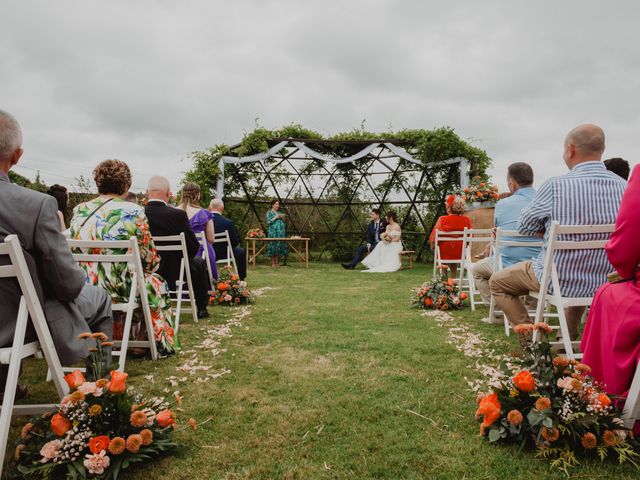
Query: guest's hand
{"points": [[368, 247]]}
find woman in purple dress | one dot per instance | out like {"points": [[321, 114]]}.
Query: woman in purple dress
{"points": [[199, 219]]}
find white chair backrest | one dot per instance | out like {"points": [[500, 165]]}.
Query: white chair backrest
{"points": [[555, 244], [127, 252], [505, 238], [202, 238], [18, 268]]}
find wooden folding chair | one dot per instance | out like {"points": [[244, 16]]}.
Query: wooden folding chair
{"points": [[550, 274], [465, 275], [130, 254], [202, 239], [29, 308], [178, 243], [505, 238], [223, 237]]}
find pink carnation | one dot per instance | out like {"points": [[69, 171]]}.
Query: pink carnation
{"points": [[227, 298], [96, 464], [90, 388], [49, 450], [565, 383]]}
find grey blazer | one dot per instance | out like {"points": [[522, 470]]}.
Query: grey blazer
{"points": [[32, 216]]}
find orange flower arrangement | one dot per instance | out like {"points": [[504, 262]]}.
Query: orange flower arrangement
{"points": [[524, 381]]}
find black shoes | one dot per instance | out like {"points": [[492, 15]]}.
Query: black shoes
{"points": [[203, 313], [346, 266]]}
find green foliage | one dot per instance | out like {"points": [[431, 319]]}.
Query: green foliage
{"points": [[429, 146], [37, 184]]}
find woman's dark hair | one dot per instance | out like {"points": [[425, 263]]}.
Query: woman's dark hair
{"points": [[59, 192], [274, 201], [391, 215], [112, 177], [619, 166]]}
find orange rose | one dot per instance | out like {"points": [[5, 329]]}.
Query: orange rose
{"points": [[428, 302], [451, 282], [165, 418], [464, 296], [524, 381], [479, 194], [118, 383], [98, 444], [235, 278], [489, 408], [138, 419], [560, 362], [117, 446], [604, 400], [74, 379], [60, 425]]}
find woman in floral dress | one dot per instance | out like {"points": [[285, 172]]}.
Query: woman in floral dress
{"points": [[276, 229], [110, 217]]}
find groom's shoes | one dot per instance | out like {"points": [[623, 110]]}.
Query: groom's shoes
{"points": [[347, 266]]}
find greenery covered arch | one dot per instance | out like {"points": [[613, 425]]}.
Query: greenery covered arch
{"points": [[327, 186]]}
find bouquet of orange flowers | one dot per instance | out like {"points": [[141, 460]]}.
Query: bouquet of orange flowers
{"points": [[255, 233], [551, 403], [480, 191], [99, 430], [230, 290], [441, 293]]}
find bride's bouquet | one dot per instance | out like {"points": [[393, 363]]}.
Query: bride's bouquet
{"points": [[441, 293]]}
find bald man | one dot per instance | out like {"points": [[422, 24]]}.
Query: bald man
{"points": [[165, 220], [588, 195]]}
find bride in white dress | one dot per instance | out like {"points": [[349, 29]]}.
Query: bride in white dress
{"points": [[386, 256]]}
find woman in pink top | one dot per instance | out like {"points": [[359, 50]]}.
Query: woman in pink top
{"points": [[611, 339]]}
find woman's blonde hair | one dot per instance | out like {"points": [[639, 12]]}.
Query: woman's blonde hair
{"points": [[458, 206], [190, 195]]}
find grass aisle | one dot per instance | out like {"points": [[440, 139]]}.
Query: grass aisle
{"points": [[333, 376]]}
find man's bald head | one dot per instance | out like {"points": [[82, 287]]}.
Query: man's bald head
{"points": [[158, 188], [216, 205], [10, 141], [583, 143]]}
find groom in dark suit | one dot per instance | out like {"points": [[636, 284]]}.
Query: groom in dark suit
{"points": [[223, 224], [374, 230]]}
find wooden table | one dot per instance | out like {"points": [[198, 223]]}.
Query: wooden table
{"points": [[252, 254]]}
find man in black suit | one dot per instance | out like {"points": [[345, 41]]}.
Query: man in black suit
{"points": [[224, 224], [165, 220], [375, 229]]}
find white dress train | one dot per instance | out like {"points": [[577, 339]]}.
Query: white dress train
{"points": [[385, 257]]}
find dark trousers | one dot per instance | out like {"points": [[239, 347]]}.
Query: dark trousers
{"points": [[241, 261], [200, 281], [359, 255]]}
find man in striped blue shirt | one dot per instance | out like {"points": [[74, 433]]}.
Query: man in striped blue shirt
{"points": [[588, 195]]}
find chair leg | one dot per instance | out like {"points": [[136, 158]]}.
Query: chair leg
{"points": [[564, 330], [12, 379]]}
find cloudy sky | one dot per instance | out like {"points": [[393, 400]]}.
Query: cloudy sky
{"points": [[149, 81]]}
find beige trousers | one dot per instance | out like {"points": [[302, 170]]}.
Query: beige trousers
{"points": [[509, 284], [482, 272]]}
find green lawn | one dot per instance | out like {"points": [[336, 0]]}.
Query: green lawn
{"points": [[332, 376]]}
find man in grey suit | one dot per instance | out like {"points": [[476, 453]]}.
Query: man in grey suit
{"points": [[70, 306]]}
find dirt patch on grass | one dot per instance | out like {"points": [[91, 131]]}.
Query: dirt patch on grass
{"points": [[296, 363]]}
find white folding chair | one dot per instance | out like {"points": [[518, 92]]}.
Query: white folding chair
{"points": [[631, 409], [202, 239], [223, 237], [550, 273], [178, 243], [131, 256], [465, 275], [505, 238], [441, 236], [13, 356]]}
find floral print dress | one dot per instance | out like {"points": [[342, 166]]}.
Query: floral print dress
{"points": [[275, 229], [121, 220]]}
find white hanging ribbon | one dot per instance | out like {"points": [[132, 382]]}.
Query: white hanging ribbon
{"points": [[258, 157], [325, 158]]}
